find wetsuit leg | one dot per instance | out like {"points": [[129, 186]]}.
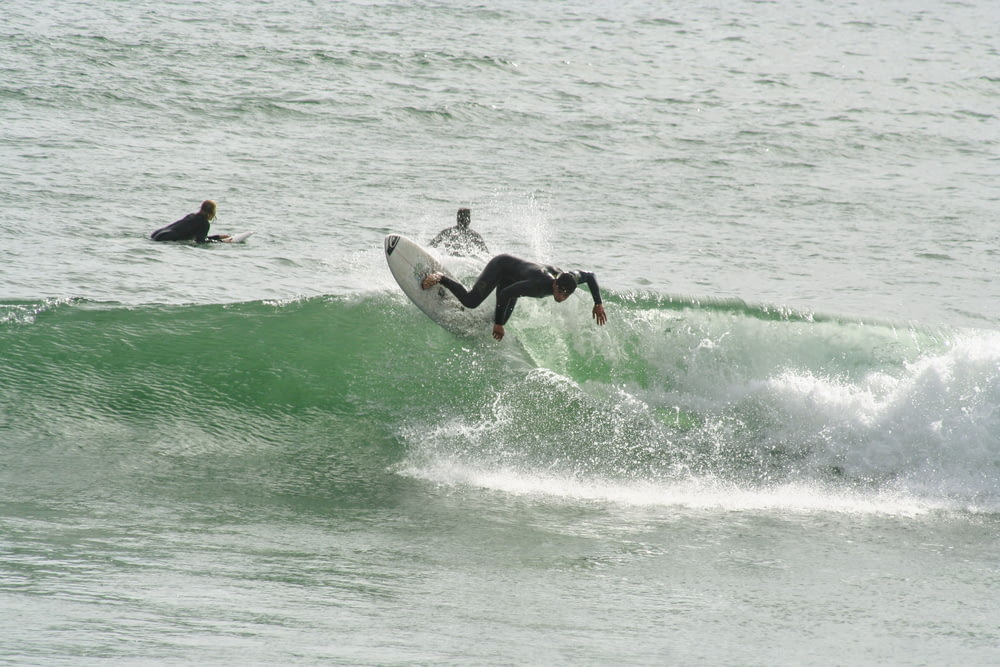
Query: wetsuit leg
{"points": [[165, 234], [485, 284]]}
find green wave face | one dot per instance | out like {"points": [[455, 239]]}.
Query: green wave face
{"points": [[291, 397]]}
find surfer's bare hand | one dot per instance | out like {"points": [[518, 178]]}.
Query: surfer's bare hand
{"points": [[599, 314], [430, 280], [498, 331]]}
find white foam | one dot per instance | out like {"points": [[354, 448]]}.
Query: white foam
{"points": [[703, 495]]}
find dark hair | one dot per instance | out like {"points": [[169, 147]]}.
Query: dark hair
{"points": [[566, 283], [464, 217]]}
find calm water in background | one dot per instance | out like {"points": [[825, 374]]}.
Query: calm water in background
{"points": [[781, 450]]}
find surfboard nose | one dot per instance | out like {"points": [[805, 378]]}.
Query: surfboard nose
{"points": [[391, 241]]}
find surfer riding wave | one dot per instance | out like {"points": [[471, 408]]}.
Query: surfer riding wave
{"points": [[513, 278]]}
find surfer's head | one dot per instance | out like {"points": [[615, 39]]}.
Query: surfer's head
{"points": [[464, 217], [563, 286], [208, 208]]}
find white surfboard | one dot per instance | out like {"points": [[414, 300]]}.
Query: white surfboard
{"points": [[409, 263], [238, 238]]}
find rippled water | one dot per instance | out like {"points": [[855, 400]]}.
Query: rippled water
{"points": [[781, 450], [813, 155]]}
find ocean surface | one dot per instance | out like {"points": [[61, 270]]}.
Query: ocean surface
{"points": [[782, 449]]}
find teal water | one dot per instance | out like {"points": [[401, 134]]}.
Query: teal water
{"points": [[781, 450], [183, 482]]}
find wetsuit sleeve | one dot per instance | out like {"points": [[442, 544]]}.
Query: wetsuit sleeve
{"points": [[201, 233], [507, 299], [591, 280]]}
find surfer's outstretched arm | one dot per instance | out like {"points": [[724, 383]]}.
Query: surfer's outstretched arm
{"points": [[595, 291]]}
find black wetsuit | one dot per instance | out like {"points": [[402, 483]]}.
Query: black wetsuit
{"points": [[192, 227], [513, 278]]}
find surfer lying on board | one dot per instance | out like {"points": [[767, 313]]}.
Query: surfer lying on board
{"points": [[192, 227], [513, 278]]}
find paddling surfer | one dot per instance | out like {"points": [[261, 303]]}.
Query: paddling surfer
{"points": [[192, 227]]}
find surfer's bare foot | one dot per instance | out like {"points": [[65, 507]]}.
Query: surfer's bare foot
{"points": [[430, 280]]}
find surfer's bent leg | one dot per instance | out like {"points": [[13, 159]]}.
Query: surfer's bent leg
{"points": [[468, 298], [485, 284]]}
